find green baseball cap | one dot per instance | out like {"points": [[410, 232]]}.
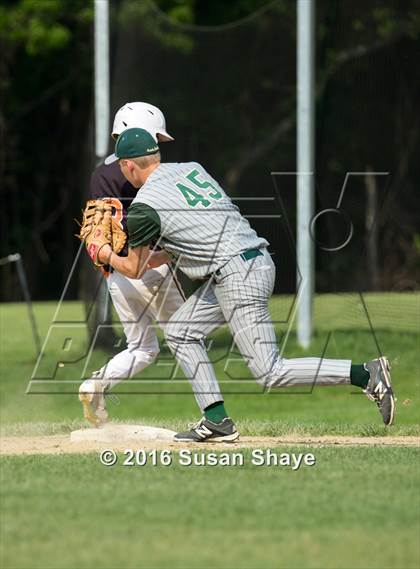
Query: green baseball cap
{"points": [[133, 142]]}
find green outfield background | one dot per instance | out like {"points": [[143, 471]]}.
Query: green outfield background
{"points": [[339, 319], [357, 508]]}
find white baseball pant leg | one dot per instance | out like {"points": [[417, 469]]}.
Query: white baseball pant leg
{"points": [[185, 333], [138, 303], [239, 295]]}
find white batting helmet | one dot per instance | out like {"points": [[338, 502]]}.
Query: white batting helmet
{"points": [[141, 115]]}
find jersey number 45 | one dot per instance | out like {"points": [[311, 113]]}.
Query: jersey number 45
{"points": [[193, 197]]}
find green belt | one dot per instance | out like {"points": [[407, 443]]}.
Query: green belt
{"points": [[250, 254]]}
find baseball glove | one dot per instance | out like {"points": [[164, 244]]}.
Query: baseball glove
{"points": [[99, 228]]}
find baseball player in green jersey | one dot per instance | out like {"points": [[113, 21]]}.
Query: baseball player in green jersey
{"points": [[200, 228]]}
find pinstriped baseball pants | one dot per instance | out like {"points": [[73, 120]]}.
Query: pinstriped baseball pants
{"points": [[238, 295]]}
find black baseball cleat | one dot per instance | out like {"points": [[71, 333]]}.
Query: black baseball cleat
{"points": [[207, 431], [379, 388]]}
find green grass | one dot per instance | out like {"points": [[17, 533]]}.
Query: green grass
{"points": [[357, 508], [395, 318]]}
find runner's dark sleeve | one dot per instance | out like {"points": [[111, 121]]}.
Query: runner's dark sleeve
{"points": [[108, 182], [143, 223]]}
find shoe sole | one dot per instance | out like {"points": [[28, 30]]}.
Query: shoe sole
{"points": [[385, 371], [88, 413], [225, 439]]}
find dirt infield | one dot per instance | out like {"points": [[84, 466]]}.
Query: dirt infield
{"points": [[61, 444]]}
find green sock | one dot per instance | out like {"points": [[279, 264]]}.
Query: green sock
{"points": [[215, 412], [359, 376]]}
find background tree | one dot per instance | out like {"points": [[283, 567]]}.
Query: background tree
{"points": [[225, 74]]}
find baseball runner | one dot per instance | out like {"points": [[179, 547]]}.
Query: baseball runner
{"points": [[197, 224], [138, 303]]}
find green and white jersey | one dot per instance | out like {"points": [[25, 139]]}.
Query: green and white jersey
{"points": [[188, 213]]}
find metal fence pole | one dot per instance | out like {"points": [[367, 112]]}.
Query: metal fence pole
{"points": [[17, 258], [103, 312], [101, 77], [305, 164]]}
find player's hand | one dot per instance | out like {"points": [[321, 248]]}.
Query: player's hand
{"points": [[158, 258], [104, 254]]}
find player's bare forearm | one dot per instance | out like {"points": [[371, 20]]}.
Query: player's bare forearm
{"points": [[157, 259], [133, 266]]}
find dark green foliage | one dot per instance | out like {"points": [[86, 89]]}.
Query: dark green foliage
{"points": [[218, 68]]}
